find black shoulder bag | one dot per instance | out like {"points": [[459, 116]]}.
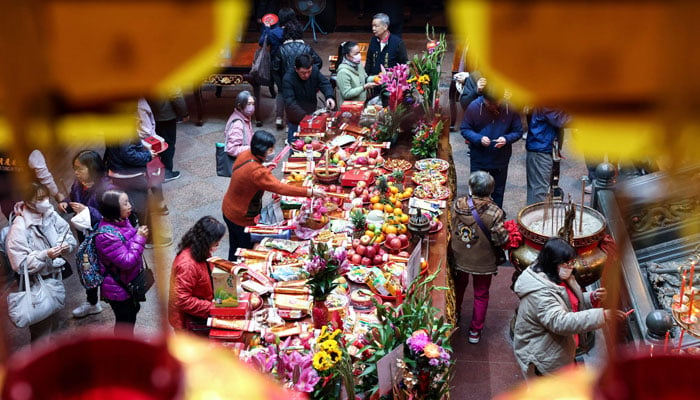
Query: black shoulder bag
{"points": [[497, 250], [224, 162], [140, 285]]}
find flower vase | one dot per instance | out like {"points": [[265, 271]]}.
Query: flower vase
{"points": [[319, 313]]}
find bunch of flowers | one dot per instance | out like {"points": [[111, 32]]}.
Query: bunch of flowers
{"points": [[425, 139], [292, 369], [426, 71], [425, 367], [395, 83], [325, 265], [333, 366], [387, 123]]}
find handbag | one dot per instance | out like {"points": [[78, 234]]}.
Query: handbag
{"points": [[224, 162], [155, 172], [261, 64], [139, 286], [497, 250], [36, 302]]}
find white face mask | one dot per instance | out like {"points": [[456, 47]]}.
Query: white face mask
{"points": [[270, 157], [43, 206], [357, 58], [565, 273]]}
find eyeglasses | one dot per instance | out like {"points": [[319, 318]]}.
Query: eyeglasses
{"points": [[568, 265]]}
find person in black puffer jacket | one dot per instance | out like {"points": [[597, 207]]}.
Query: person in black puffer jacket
{"points": [[283, 61]]}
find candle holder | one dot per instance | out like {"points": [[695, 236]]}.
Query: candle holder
{"points": [[684, 310]]}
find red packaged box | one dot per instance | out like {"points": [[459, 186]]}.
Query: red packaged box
{"points": [[225, 334], [354, 108], [241, 311], [313, 124], [156, 143], [352, 176]]}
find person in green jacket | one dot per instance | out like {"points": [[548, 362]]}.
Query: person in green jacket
{"points": [[352, 80]]}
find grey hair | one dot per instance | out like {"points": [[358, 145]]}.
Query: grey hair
{"points": [[481, 184], [383, 18], [242, 100]]}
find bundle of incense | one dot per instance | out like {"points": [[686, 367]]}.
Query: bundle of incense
{"points": [[339, 195], [298, 166], [296, 264], [292, 301], [285, 330], [383, 145], [392, 257], [267, 230], [224, 264], [233, 324], [260, 278], [252, 254], [302, 290]]}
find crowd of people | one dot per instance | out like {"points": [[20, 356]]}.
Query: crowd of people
{"points": [[120, 196]]}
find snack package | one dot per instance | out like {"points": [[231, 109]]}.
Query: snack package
{"points": [[225, 286], [289, 246]]}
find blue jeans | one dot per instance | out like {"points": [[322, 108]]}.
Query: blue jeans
{"points": [[291, 128]]}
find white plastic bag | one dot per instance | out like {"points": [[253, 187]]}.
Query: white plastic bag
{"points": [[37, 301]]}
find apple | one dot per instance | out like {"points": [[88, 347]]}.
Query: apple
{"points": [[404, 254], [390, 237], [355, 243], [373, 153], [395, 243], [365, 261], [332, 188], [377, 259], [356, 259], [372, 161], [404, 239], [361, 184], [339, 189], [364, 239], [350, 253], [370, 252], [433, 224], [298, 144], [361, 250], [381, 252], [379, 159], [365, 192]]}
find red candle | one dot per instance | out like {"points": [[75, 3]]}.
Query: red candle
{"points": [[680, 299], [666, 341], [690, 281], [680, 339]]}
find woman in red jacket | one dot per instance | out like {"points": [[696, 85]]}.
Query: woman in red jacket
{"points": [[250, 179], [191, 291]]}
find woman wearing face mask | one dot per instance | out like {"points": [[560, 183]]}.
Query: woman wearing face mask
{"points": [[90, 182], [249, 181], [38, 240], [120, 249], [351, 78], [553, 311], [239, 128], [191, 290]]}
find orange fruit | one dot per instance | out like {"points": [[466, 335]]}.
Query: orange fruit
{"points": [[388, 208], [394, 189], [397, 204], [369, 233], [391, 229], [378, 206], [404, 218], [380, 238], [398, 211], [374, 199], [402, 229]]}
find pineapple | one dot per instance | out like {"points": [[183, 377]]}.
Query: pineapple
{"points": [[358, 220]]}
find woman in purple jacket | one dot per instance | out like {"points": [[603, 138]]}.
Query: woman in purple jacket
{"points": [[90, 182], [120, 253]]}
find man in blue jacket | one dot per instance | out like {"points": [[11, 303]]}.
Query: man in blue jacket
{"points": [[544, 133], [491, 127]]}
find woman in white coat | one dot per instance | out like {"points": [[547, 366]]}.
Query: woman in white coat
{"points": [[553, 311], [38, 240]]}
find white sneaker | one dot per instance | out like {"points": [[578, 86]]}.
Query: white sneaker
{"points": [[86, 309]]}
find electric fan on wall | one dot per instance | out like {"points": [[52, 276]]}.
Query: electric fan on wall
{"points": [[311, 8]]}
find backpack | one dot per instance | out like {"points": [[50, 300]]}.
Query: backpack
{"points": [[89, 270]]}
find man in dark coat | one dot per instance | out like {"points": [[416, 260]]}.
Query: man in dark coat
{"points": [[384, 48], [299, 88]]}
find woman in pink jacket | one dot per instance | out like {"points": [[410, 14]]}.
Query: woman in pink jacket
{"points": [[191, 291], [239, 128], [120, 251]]}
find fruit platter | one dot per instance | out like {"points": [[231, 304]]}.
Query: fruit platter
{"points": [[432, 163], [429, 176], [394, 164], [431, 191]]}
